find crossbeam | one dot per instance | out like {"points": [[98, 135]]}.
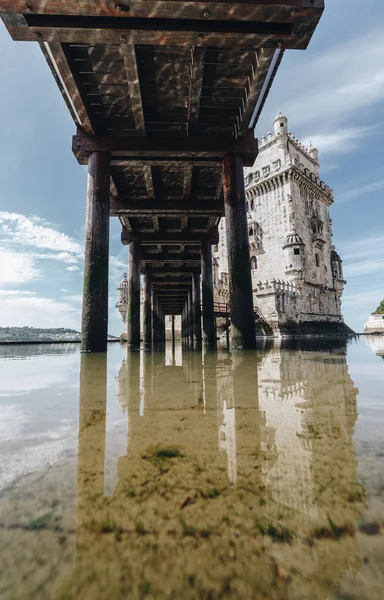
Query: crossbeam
{"points": [[246, 34], [135, 147], [169, 270], [172, 257], [167, 237], [166, 208]]}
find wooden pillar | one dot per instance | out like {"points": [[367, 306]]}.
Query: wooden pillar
{"points": [[239, 265], [162, 325], [147, 309], [155, 319], [94, 325], [133, 314], [207, 293], [190, 318], [196, 303], [183, 325]]}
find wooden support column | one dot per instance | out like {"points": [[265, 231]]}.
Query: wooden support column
{"points": [[196, 303], [162, 326], [133, 315], [183, 325], [94, 326], [148, 309], [190, 318], [239, 265], [207, 294], [155, 320], [173, 331]]}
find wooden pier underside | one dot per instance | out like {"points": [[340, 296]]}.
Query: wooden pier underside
{"points": [[167, 89]]}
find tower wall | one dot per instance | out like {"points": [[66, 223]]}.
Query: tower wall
{"points": [[296, 278]]}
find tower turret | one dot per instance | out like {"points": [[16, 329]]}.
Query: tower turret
{"points": [[280, 124], [295, 259], [122, 297], [337, 271], [313, 153]]}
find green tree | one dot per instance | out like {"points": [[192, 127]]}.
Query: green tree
{"points": [[380, 309]]}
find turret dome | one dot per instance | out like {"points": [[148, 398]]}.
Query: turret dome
{"points": [[280, 124], [123, 283], [293, 239], [313, 152]]}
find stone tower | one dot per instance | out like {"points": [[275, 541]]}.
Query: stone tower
{"points": [[297, 275]]}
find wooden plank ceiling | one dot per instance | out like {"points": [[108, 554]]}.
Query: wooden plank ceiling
{"points": [[196, 71]]}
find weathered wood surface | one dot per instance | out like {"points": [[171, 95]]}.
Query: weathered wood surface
{"points": [[165, 90], [133, 313], [239, 267], [94, 324], [147, 325], [207, 295], [246, 9]]}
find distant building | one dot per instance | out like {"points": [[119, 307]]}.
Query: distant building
{"points": [[122, 307], [297, 275], [375, 324]]}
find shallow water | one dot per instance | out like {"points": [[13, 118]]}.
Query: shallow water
{"points": [[162, 475]]}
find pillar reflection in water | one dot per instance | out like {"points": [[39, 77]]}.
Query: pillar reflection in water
{"points": [[239, 474]]}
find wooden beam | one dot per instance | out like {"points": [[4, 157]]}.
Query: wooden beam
{"points": [[173, 164], [256, 79], [171, 238], [170, 258], [195, 85], [132, 73], [240, 9], [175, 270], [58, 63], [217, 145], [187, 183], [147, 172], [281, 38], [182, 285]]}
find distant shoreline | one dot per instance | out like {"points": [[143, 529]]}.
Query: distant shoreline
{"points": [[35, 342]]}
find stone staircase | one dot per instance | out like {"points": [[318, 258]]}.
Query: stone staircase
{"points": [[262, 325]]}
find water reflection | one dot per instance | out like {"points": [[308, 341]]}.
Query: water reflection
{"points": [[376, 343], [26, 351], [239, 478]]}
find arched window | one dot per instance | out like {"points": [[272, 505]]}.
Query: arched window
{"points": [[253, 263], [252, 204], [250, 232], [317, 260]]}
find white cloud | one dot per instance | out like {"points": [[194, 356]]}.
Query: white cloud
{"points": [[364, 267], [364, 300], [33, 231], [39, 312], [16, 267], [375, 186], [20, 235], [363, 247], [338, 83], [327, 93], [339, 141], [77, 298], [16, 293]]}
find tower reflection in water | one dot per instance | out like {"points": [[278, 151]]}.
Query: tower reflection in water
{"points": [[239, 477]]}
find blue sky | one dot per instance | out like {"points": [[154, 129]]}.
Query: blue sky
{"points": [[333, 93]]}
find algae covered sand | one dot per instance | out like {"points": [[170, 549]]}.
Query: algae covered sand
{"points": [[231, 477]]}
